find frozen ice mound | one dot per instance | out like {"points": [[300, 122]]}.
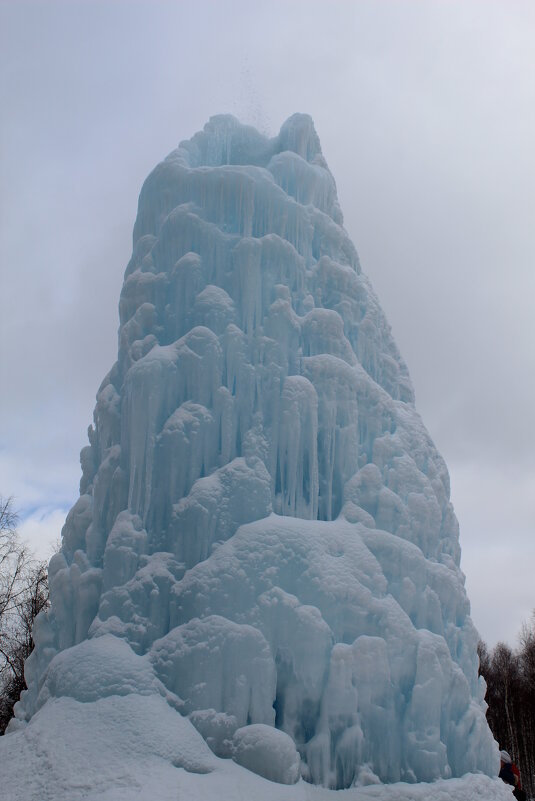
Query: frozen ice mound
{"points": [[266, 751], [264, 539], [98, 668]]}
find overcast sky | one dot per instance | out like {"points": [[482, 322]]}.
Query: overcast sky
{"points": [[426, 114]]}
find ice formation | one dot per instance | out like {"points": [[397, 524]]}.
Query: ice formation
{"points": [[264, 540]]}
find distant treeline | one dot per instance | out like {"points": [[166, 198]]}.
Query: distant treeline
{"points": [[510, 677]]}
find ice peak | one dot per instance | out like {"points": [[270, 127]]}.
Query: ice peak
{"points": [[298, 134], [225, 140]]}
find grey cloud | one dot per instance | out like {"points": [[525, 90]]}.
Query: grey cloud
{"points": [[426, 115]]}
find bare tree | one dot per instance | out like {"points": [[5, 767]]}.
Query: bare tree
{"points": [[23, 593], [13, 560], [510, 678]]}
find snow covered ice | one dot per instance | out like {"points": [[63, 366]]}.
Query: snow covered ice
{"points": [[261, 575]]}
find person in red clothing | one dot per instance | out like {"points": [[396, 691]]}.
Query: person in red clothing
{"points": [[510, 774]]}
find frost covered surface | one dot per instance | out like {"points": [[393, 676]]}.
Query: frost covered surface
{"points": [[135, 748], [264, 540]]}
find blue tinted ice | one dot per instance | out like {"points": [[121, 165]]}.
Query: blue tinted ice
{"points": [[264, 528]]}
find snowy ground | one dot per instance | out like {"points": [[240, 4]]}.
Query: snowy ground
{"points": [[142, 749]]}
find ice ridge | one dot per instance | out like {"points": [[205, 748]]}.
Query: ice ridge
{"points": [[264, 535]]}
